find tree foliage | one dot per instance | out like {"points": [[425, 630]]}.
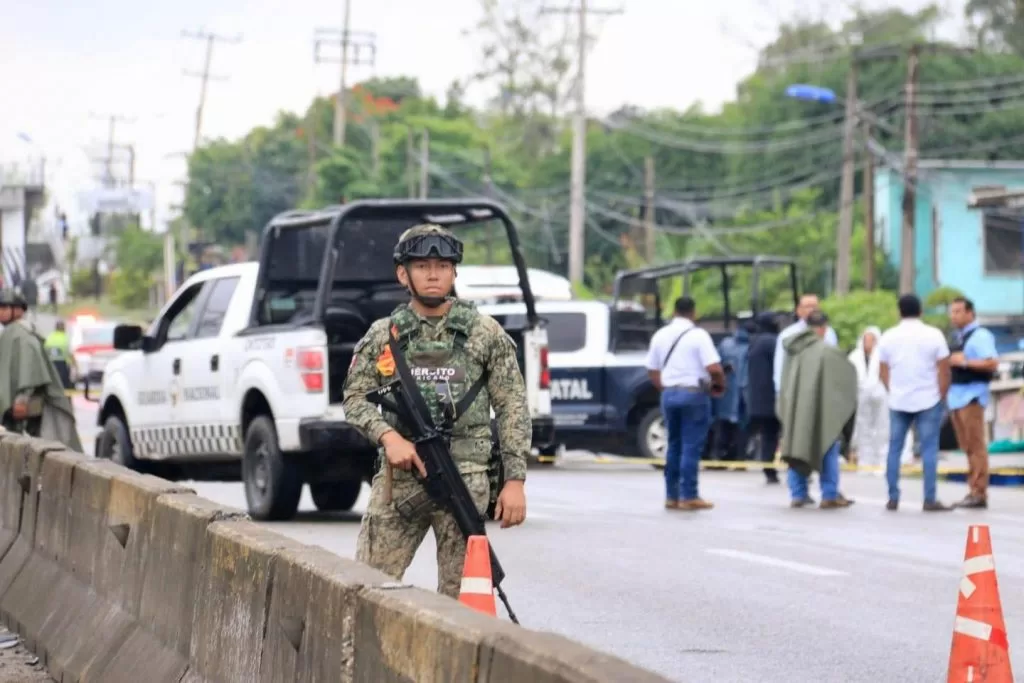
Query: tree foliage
{"points": [[761, 175]]}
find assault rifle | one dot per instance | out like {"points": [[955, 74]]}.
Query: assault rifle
{"points": [[444, 485]]}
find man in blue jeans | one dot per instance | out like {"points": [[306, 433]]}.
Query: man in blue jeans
{"points": [[684, 365], [914, 367]]}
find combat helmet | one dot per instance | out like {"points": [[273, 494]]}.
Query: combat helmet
{"points": [[14, 298], [428, 241]]}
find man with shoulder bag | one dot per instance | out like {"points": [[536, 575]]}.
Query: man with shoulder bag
{"points": [[685, 367]]}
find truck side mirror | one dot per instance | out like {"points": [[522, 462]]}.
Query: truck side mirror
{"points": [[127, 337]]}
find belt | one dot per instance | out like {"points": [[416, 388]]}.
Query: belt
{"points": [[683, 387]]}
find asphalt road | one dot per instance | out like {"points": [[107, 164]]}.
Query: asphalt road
{"points": [[749, 591]]}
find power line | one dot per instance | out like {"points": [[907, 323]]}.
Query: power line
{"points": [[357, 48], [204, 75]]}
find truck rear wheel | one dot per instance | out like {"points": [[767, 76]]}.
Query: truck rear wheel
{"points": [[331, 496], [273, 484]]}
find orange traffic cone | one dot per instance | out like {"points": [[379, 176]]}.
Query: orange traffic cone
{"points": [[980, 651], [477, 591]]}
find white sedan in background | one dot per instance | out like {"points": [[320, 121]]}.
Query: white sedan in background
{"points": [[91, 342]]}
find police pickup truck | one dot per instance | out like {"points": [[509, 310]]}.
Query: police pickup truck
{"points": [[602, 398], [241, 374]]}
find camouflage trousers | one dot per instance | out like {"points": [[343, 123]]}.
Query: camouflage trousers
{"points": [[388, 542]]}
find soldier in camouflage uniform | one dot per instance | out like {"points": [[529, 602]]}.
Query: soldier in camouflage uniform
{"points": [[452, 347]]}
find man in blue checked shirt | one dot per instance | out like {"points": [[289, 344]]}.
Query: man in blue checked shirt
{"points": [[973, 363]]}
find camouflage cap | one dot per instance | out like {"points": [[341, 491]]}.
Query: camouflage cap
{"points": [[424, 229], [428, 241]]}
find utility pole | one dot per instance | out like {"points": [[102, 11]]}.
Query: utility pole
{"points": [[204, 75], [375, 148], [112, 121], [354, 48], [909, 174], [577, 190], [410, 176], [310, 152], [650, 247], [424, 163], [131, 165], [846, 186], [489, 193], [869, 213], [907, 266]]}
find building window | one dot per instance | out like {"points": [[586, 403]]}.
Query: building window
{"points": [[1003, 243]]}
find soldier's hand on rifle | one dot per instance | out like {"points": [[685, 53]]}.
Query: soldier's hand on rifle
{"points": [[401, 454], [511, 505]]}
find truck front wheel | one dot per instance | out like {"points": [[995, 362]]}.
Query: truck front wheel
{"points": [[273, 484], [332, 496], [115, 444]]}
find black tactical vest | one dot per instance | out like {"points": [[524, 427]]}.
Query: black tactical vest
{"points": [[967, 375]]}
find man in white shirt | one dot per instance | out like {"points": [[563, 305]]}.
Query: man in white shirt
{"points": [[914, 366], [685, 367], [807, 304]]}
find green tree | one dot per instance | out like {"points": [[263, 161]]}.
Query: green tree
{"points": [[851, 314], [138, 255], [997, 24]]}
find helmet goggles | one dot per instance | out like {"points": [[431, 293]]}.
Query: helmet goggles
{"points": [[438, 246]]}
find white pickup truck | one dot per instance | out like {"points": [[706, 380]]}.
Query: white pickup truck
{"points": [[245, 365]]}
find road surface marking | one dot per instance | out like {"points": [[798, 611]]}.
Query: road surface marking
{"points": [[776, 562]]}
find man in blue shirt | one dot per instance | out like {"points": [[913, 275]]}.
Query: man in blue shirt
{"points": [[973, 363]]}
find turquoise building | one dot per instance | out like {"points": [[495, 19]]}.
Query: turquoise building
{"points": [[979, 251]]}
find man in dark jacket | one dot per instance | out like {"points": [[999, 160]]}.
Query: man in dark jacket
{"points": [[760, 391]]}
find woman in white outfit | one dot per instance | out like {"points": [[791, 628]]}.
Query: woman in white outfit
{"points": [[871, 431]]}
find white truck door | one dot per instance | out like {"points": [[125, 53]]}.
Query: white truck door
{"points": [[202, 407], [155, 435]]}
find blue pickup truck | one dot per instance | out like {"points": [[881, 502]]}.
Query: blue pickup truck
{"points": [[601, 397]]}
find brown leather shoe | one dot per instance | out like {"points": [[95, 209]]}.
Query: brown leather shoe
{"points": [[892, 505], [671, 504], [695, 504], [936, 506], [972, 503], [801, 502], [836, 504]]}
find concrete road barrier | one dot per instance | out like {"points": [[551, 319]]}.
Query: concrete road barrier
{"points": [[117, 577]]}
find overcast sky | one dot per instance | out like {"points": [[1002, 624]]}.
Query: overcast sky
{"points": [[64, 64]]}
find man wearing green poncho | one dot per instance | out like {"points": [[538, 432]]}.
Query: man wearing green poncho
{"points": [[817, 398], [32, 398]]}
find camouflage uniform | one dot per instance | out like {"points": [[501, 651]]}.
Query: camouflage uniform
{"points": [[455, 349]]}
